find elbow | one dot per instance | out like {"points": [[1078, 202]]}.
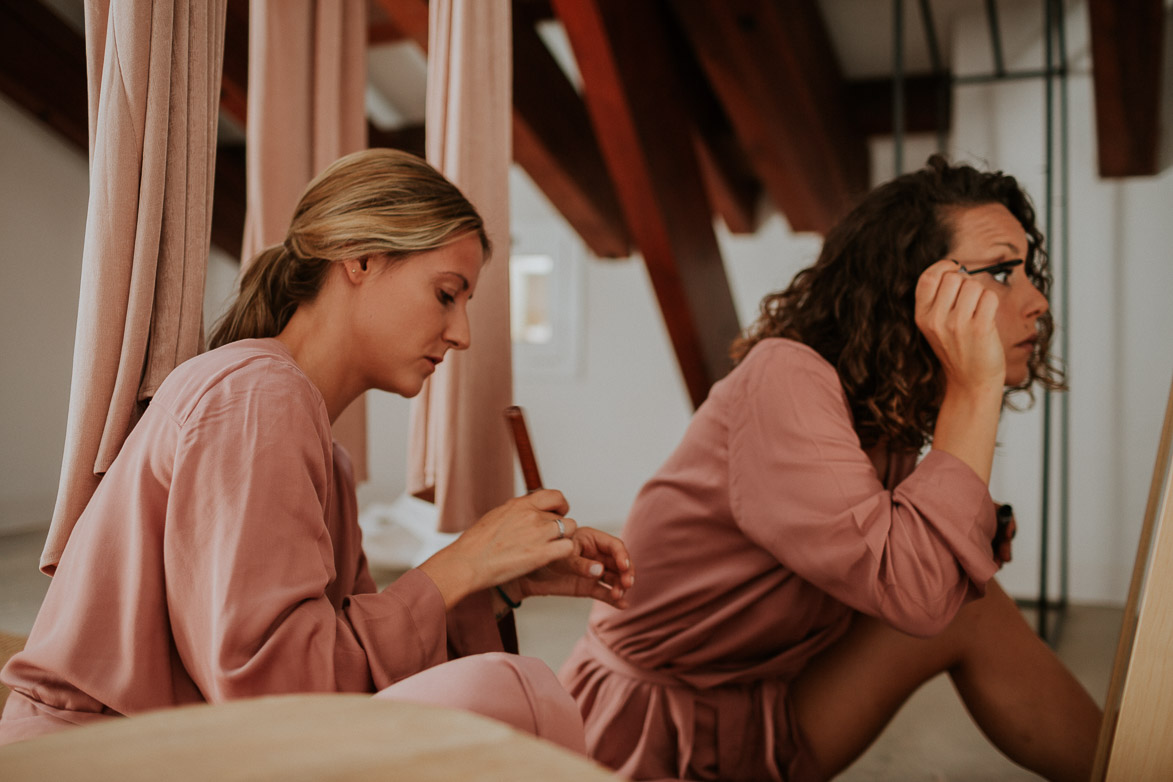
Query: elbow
{"points": [[919, 618]]}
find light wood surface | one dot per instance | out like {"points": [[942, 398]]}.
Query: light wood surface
{"points": [[294, 738], [1136, 741]]}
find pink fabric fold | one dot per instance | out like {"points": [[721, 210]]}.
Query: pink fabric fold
{"points": [[154, 86], [306, 86], [459, 452]]}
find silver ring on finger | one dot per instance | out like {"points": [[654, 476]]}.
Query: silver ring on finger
{"points": [[561, 529]]}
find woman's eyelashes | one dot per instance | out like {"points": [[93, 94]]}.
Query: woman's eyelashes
{"points": [[1000, 271], [446, 298], [1001, 276]]}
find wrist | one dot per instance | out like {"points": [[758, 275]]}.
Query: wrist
{"points": [[450, 575], [977, 394], [504, 601]]}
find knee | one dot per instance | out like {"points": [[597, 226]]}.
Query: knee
{"points": [[520, 691]]}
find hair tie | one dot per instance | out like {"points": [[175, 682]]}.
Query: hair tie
{"points": [[288, 247], [505, 596]]}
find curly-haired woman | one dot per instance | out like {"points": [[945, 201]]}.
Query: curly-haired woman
{"points": [[801, 574]]}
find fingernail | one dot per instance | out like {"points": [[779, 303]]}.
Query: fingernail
{"points": [[596, 569]]}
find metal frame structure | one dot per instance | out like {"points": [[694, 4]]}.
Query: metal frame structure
{"points": [[1054, 76]]}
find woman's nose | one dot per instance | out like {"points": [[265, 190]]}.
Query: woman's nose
{"points": [[458, 334], [1036, 304]]}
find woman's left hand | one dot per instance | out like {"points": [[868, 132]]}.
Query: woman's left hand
{"points": [[599, 567]]}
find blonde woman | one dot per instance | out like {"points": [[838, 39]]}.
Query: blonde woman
{"points": [[221, 558]]}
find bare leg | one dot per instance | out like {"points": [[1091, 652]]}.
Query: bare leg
{"points": [[1016, 689]]}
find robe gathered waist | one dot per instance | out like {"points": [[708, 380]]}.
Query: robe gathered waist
{"points": [[607, 657]]}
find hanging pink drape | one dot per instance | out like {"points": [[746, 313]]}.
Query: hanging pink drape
{"points": [[154, 88], [459, 447], [306, 87]]}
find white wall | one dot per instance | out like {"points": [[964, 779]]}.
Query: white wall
{"points": [[44, 185], [43, 189]]}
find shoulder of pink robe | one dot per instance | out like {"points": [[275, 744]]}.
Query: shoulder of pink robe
{"points": [[910, 555]]}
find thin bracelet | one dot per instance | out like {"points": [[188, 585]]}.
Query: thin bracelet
{"points": [[505, 596]]}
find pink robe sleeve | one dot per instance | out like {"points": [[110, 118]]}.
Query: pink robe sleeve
{"points": [[802, 488], [471, 628], [249, 557]]}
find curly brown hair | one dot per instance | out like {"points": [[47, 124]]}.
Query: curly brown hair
{"points": [[855, 305]]}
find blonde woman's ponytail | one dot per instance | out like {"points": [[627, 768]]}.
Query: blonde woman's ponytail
{"points": [[272, 286]]}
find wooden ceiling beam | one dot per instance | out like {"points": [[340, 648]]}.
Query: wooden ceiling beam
{"points": [[1126, 42], [407, 18], [732, 188], [409, 138], [43, 69], [730, 182], [928, 102], [555, 144], [234, 79], [552, 137], [772, 65], [637, 107]]}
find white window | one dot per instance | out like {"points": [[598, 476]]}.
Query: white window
{"points": [[545, 302]]}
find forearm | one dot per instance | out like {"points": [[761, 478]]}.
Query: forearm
{"points": [[967, 426], [451, 577]]}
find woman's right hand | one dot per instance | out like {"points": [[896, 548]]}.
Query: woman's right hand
{"points": [[504, 544], [956, 313]]}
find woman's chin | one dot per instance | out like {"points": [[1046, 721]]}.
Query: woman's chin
{"points": [[1016, 377], [407, 389]]}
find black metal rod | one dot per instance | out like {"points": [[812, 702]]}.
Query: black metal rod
{"points": [[983, 78], [1064, 317], [926, 17], [996, 36], [898, 86], [1045, 509], [943, 84]]}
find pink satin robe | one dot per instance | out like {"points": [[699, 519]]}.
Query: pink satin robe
{"points": [[754, 544]]}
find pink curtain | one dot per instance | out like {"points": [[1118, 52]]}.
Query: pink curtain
{"points": [[459, 453], [306, 86], [154, 88]]}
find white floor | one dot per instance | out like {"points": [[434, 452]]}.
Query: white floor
{"points": [[931, 739]]}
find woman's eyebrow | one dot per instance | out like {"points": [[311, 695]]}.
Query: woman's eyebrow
{"points": [[1001, 266], [463, 280]]}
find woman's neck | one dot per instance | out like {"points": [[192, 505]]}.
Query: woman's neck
{"points": [[323, 357]]}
